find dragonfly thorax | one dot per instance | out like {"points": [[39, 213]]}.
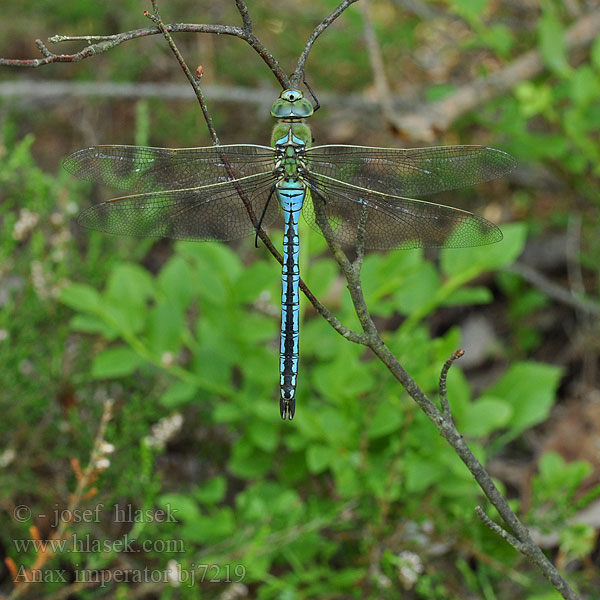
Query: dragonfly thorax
{"points": [[290, 162]]}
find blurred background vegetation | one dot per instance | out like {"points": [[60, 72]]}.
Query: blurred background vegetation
{"points": [[358, 497]]}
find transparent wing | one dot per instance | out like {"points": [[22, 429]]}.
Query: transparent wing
{"points": [[391, 221], [212, 212], [140, 169], [413, 171]]}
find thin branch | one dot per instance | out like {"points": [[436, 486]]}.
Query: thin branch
{"points": [[446, 427], [443, 376], [298, 75], [553, 290], [381, 84], [243, 10], [513, 541], [425, 122], [114, 40]]}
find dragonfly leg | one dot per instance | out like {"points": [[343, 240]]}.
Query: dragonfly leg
{"points": [[317, 104], [262, 216]]}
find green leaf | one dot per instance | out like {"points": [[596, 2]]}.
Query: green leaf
{"points": [[485, 416], [551, 40], [497, 37], [81, 297], [165, 326], [180, 506], [116, 362], [264, 435], [319, 457], [585, 87], [212, 491], [129, 285], [577, 540], [468, 296], [93, 324], [417, 288], [530, 388], [249, 462], [595, 54], [385, 420], [470, 9], [455, 261], [176, 281], [254, 280], [179, 393]]}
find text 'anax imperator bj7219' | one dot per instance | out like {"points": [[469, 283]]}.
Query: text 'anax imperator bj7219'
{"points": [[351, 194]]}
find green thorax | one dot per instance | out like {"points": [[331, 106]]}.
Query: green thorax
{"points": [[291, 108]]}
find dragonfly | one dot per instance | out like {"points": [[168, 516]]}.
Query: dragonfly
{"points": [[357, 196]]}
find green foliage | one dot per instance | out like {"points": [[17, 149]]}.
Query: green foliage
{"points": [[555, 489]]}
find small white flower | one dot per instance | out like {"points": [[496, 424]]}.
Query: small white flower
{"points": [[410, 568], [3, 334], [25, 224], [164, 430], [106, 448], [72, 208], [102, 463], [7, 457], [57, 218], [167, 359]]}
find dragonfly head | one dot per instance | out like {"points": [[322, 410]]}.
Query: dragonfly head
{"points": [[291, 104]]}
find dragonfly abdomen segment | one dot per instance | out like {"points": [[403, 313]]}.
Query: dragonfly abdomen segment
{"points": [[291, 196]]}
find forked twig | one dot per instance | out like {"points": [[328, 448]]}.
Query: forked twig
{"points": [[346, 332]]}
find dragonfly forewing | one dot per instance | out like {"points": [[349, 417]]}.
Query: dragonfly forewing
{"points": [[140, 169], [413, 171]]}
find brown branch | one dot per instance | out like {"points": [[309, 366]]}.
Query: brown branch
{"points": [[445, 425], [555, 291], [110, 41], [513, 541], [425, 122], [377, 66]]}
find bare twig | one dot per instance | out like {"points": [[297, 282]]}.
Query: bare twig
{"points": [[553, 290], [444, 374], [111, 41], [513, 541], [381, 84]]}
